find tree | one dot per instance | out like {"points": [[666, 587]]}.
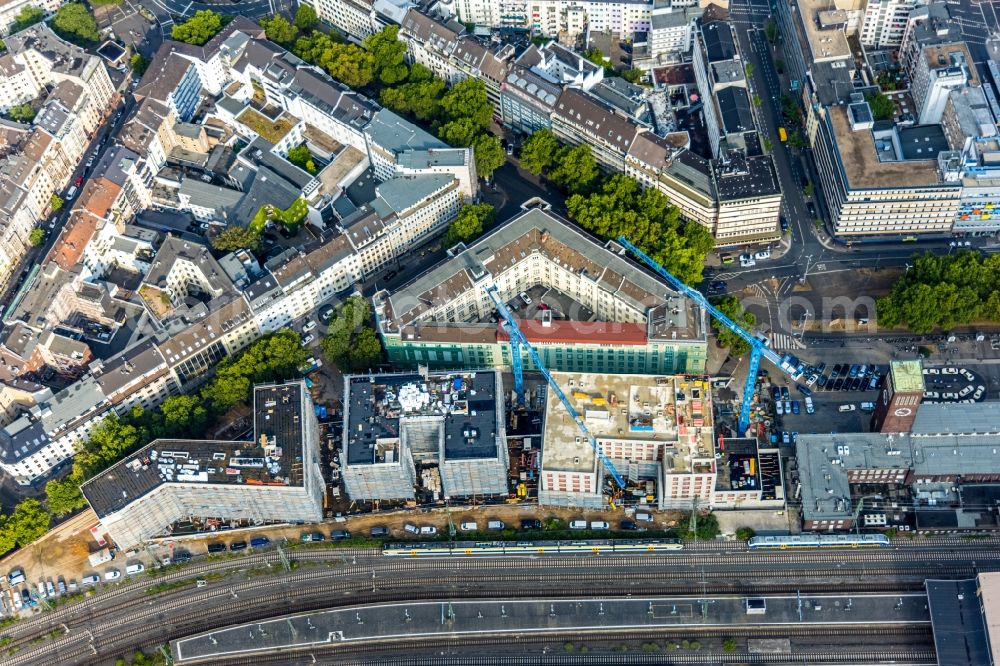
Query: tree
{"points": [[388, 54], [620, 207], [302, 158], [467, 99], [305, 18], [36, 237], [745, 533], [468, 224], [234, 238], [351, 65], [732, 308], [420, 97], [461, 132], [757, 101], [808, 189], [139, 63], [633, 75], [881, 106], [279, 30], [748, 68], [596, 56], [574, 169], [350, 342], [28, 16], [539, 151], [64, 497], [180, 415], [729, 645], [767, 144], [771, 30], [489, 154], [779, 66], [74, 23], [28, 521], [198, 29], [56, 203], [274, 357], [3, 45], [707, 528], [22, 113]]}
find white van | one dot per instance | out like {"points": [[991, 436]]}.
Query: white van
{"points": [[495, 525], [643, 517], [412, 529], [846, 408], [469, 527], [599, 525], [134, 569], [868, 406], [92, 579], [429, 530], [578, 525], [112, 574]]}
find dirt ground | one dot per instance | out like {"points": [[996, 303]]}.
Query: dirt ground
{"points": [[64, 550]]}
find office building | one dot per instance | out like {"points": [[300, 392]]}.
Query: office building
{"points": [[275, 478], [884, 22], [719, 71], [605, 313], [432, 435]]}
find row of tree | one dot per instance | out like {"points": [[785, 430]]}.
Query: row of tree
{"points": [[940, 292], [468, 224], [201, 27], [617, 205], [272, 358]]}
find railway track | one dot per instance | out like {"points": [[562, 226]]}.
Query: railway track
{"points": [[247, 601]]}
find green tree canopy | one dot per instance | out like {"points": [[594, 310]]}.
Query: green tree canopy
{"points": [[305, 18], [468, 224], [64, 497], [74, 23], [279, 30], [419, 97], [574, 169], [350, 342], [348, 63], [28, 521], [745, 533], [28, 16], [460, 132], [539, 151], [36, 237], [388, 54], [732, 308], [271, 358], [467, 100], [706, 530], [198, 29], [882, 107], [234, 238], [21, 113], [56, 203], [302, 158], [647, 218], [489, 153], [138, 63]]}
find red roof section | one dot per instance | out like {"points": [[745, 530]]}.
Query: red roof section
{"points": [[580, 332]]}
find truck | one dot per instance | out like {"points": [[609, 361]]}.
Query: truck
{"points": [[100, 557]]}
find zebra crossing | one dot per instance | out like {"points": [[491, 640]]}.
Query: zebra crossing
{"points": [[784, 341]]}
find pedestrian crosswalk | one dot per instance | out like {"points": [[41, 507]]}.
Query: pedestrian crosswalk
{"points": [[758, 290], [784, 341]]}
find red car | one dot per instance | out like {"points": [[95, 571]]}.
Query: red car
{"points": [[79, 181]]}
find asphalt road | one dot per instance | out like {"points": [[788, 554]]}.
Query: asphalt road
{"points": [[168, 12], [121, 617]]}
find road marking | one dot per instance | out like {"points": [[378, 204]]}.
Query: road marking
{"points": [[820, 267]]}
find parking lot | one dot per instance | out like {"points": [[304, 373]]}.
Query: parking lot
{"points": [[952, 383], [846, 408]]}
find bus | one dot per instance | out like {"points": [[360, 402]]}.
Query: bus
{"points": [[782, 134]]}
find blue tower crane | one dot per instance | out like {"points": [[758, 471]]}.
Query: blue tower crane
{"points": [[517, 340], [758, 348]]}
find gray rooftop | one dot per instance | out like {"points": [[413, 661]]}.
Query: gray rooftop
{"points": [[206, 195], [121, 370], [401, 193], [461, 406], [718, 40], [619, 93], [425, 159], [958, 419], [393, 134], [960, 635], [922, 142], [271, 457], [80, 399], [66, 58]]}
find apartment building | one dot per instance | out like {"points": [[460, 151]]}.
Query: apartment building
{"points": [[429, 435], [38, 58], [579, 118], [942, 69], [445, 319], [737, 198], [275, 478], [885, 22], [355, 18], [719, 71], [671, 30]]}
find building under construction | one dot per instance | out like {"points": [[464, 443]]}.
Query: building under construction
{"points": [[656, 430], [424, 436]]}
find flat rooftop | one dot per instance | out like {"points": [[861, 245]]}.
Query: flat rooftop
{"points": [[861, 163], [636, 408], [958, 419], [960, 636], [273, 458], [907, 376], [989, 590], [826, 43], [461, 405]]}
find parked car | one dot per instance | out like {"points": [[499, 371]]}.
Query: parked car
{"points": [[868, 406], [50, 589], [785, 393], [525, 298], [599, 525], [803, 390], [643, 517], [308, 326], [112, 574], [61, 584], [308, 338], [779, 407], [92, 579], [469, 527], [795, 406], [788, 406], [763, 254], [428, 530], [530, 524], [134, 569], [259, 542], [846, 408], [79, 181], [838, 384], [379, 531], [216, 547], [412, 529], [628, 526], [746, 261], [775, 393], [337, 535], [238, 545], [578, 524], [810, 409]]}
